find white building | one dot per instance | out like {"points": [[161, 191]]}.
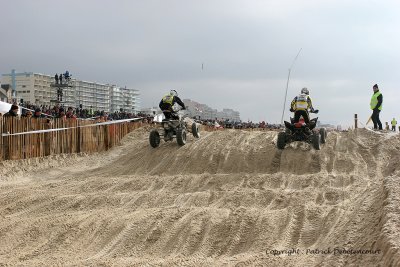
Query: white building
{"points": [[5, 93], [39, 89], [124, 98], [88, 94], [31, 87], [229, 114], [205, 112]]}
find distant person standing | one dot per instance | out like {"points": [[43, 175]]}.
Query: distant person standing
{"points": [[38, 113], [376, 106], [394, 123], [13, 112], [67, 77], [61, 77], [56, 78]]}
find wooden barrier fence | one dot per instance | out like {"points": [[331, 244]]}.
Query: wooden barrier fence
{"points": [[74, 140]]}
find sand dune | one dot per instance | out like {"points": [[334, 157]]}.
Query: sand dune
{"points": [[229, 198]]}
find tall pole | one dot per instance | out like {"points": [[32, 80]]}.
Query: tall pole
{"points": [[284, 103], [14, 86], [287, 85]]}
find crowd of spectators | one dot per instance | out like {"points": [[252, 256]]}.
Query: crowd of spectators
{"points": [[63, 112], [228, 124]]}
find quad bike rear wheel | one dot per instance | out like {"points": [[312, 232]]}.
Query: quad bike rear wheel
{"points": [[154, 138], [181, 136], [281, 142], [316, 141], [323, 134], [195, 130]]}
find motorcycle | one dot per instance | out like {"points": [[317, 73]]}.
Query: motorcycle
{"points": [[301, 131], [175, 127]]}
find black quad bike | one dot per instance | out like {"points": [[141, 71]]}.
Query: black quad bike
{"points": [[300, 131], [177, 127]]}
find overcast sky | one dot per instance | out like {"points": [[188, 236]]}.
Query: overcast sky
{"points": [[246, 46]]}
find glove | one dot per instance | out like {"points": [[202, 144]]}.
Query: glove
{"points": [[291, 110], [316, 111], [183, 108]]}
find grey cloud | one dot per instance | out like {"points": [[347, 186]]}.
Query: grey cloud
{"points": [[246, 47]]}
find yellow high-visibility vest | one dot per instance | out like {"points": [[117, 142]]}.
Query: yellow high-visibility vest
{"points": [[374, 100], [168, 99]]}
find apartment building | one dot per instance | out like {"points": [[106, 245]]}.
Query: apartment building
{"points": [[88, 94], [230, 114], [5, 93], [38, 89], [204, 112], [125, 99], [31, 87]]}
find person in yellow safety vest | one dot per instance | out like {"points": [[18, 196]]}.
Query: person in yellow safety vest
{"points": [[376, 106], [394, 123], [167, 102], [301, 104], [91, 113]]}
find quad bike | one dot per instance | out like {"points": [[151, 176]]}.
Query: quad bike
{"points": [[176, 127], [300, 131]]}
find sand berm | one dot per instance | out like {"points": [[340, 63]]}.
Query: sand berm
{"points": [[229, 198]]}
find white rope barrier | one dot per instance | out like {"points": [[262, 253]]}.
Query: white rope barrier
{"points": [[81, 126]]}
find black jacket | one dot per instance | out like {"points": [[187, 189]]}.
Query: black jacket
{"points": [[167, 106], [11, 113]]}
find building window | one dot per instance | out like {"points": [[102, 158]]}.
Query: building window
{"points": [[23, 86]]}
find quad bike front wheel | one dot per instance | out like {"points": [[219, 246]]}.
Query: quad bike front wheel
{"points": [[281, 143], [195, 130], [323, 134], [316, 141], [154, 138], [181, 136]]}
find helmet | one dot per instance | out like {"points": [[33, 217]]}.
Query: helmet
{"points": [[173, 92], [305, 91]]}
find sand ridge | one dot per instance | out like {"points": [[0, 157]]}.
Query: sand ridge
{"points": [[225, 199]]}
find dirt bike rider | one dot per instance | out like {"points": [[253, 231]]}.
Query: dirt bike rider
{"points": [[301, 104], [167, 102]]}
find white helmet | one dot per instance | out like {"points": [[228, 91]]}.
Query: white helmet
{"points": [[305, 91], [173, 92]]}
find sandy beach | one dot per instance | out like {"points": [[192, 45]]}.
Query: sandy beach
{"points": [[229, 198]]}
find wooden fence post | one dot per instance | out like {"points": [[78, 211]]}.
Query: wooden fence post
{"points": [[6, 139], [2, 139], [47, 140], [106, 137], [78, 138], [355, 121]]}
